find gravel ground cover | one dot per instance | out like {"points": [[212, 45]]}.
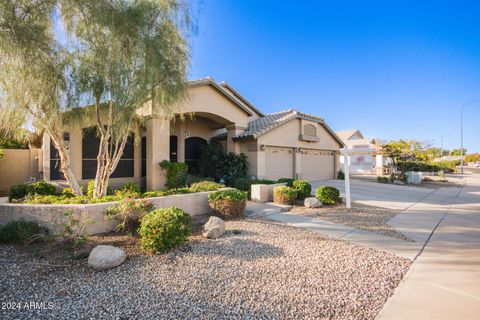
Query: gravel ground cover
{"points": [[360, 216], [257, 270]]}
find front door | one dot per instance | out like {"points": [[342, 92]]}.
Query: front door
{"points": [[193, 150]]}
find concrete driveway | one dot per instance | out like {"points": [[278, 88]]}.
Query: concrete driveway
{"points": [[444, 280]]}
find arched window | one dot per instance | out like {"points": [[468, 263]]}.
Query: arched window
{"points": [[309, 130]]}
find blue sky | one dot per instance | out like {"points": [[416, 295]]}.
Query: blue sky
{"points": [[393, 69]]}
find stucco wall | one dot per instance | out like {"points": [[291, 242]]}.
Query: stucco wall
{"points": [[287, 135], [50, 215], [18, 166]]}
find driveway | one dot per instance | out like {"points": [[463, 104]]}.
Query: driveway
{"points": [[444, 280]]}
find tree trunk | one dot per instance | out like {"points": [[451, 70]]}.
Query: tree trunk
{"points": [[64, 160]]}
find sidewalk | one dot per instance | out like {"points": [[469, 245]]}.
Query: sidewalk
{"points": [[444, 281]]}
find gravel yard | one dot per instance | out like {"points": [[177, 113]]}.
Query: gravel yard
{"points": [[258, 269], [360, 216]]}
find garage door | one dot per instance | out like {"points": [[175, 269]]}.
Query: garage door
{"points": [[317, 164], [279, 162]]}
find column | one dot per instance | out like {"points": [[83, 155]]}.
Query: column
{"points": [[46, 156], [76, 152], [232, 131], [158, 149], [297, 163]]}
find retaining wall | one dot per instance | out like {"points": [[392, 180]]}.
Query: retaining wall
{"points": [[52, 216]]}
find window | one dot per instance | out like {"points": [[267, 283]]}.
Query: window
{"points": [[90, 144], [309, 130]]}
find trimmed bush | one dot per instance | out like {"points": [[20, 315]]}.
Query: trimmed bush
{"points": [[304, 189], [164, 229], [284, 195], [177, 174], [228, 204], [20, 231], [41, 188], [328, 195], [286, 180], [205, 186]]}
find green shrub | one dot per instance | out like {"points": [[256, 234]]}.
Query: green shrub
{"points": [[383, 179], [17, 192], [154, 194], [328, 195], [284, 195], [341, 175], [20, 231], [286, 180], [36, 188], [164, 229], [177, 174], [304, 189], [128, 211], [205, 186], [62, 199], [200, 179], [90, 188], [67, 193], [130, 188], [228, 204], [234, 166]]}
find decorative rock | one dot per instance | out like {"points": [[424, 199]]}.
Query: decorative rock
{"points": [[312, 202], [105, 257], [214, 228]]}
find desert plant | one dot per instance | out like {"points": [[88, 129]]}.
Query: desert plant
{"points": [[177, 174], [205, 186], [234, 167], [304, 189], [328, 195], [21, 231], [128, 211], [164, 229], [284, 195], [72, 228], [228, 204], [129, 190]]}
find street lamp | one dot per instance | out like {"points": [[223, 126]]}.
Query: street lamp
{"points": [[461, 131]]}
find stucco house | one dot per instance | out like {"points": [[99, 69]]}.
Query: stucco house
{"points": [[365, 155], [287, 144]]}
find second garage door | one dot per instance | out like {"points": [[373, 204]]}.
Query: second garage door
{"points": [[279, 162], [318, 164]]}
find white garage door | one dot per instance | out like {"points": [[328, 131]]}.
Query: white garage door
{"points": [[279, 162], [317, 164]]}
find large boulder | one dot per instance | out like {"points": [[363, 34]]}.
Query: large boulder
{"points": [[214, 228], [105, 257], [312, 202]]}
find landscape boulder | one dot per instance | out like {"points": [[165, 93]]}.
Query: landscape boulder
{"points": [[312, 202], [214, 228], [105, 257]]}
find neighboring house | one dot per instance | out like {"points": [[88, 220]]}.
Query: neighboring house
{"points": [[286, 144], [365, 155]]}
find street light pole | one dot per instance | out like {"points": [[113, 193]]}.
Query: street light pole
{"points": [[461, 131]]}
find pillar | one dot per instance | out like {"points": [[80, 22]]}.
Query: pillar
{"points": [[232, 131], [158, 149], [46, 157], [297, 163], [76, 152]]}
